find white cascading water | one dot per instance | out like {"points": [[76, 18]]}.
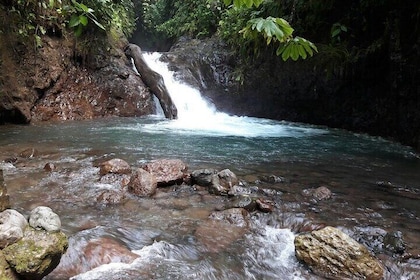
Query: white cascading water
{"points": [[197, 116]]}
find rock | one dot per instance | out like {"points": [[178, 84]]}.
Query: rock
{"points": [[167, 171], [333, 254], [320, 193], [4, 197], [12, 227], [115, 165], [36, 254], [272, 179], [43, 217], [265, 205], [203, 177], [223, 182], [394, 243], [84, 255], [119, 181], [246, 202], [49, 167], [222, 229], [142, 183], [234, 216], [29, 153], [111, 197], [6, 273]]}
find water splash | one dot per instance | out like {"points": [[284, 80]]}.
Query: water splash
{"points": [[198, 116]]}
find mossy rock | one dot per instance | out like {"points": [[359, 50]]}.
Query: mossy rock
{"points": [[37, 253]]}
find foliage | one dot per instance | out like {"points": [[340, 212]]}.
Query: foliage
{"points": [[195, 18], [34, 18]]}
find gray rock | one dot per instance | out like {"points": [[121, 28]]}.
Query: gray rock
{"points": [[43, 217], [12, 227], [223, 182], [333, 254], [203, 177]]}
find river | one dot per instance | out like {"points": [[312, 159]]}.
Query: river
{"points": [[375, 188]]}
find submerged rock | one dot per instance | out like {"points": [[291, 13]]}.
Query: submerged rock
{"points": [[223, 182], [84, 255], [333, 254], [203, 177]]}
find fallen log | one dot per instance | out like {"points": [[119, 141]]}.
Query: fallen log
{"points": [[153, 80]]}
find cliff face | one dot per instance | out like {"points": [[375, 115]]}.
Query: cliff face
{"points": [[378, 95], [54, 82]]}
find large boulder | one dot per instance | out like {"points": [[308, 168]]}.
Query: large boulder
{"points": [[167, 171], [142, 183], [36, 254], [12, 227], [333, 254]]}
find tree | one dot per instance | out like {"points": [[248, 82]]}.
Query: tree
{"points": [[274, 30]]}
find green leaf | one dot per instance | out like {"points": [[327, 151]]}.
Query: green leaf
{"points": [[78, 31], [286, 53], [294, 52], [335, 32], [74, 21], [83, 20], [280, 49], [302, 51]]}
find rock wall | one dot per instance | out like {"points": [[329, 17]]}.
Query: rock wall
{"points": [[54, 82], [378, 95]]}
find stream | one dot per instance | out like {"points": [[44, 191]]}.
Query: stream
{"points": [[375, 187]]}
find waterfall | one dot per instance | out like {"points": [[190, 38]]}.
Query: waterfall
{"points": [[198, 116]]}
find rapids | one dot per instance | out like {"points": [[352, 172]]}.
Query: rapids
{"points": [[375, 185]]}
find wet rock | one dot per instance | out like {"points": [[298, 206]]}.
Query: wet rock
{"points": [[245, 202], [331, 253], [167, 171], [223, 182], [142, 183], [320, 193], [115, 165], [272, 179], [12, 227], [49, 167], [84, 255], [43, 217], [394, 243], [6, 273], [4, 197], [222, 229], [203, 177], [111, 197], [117, 180], [29, 153], [265, 205], [234, 216], [36, 254]]}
